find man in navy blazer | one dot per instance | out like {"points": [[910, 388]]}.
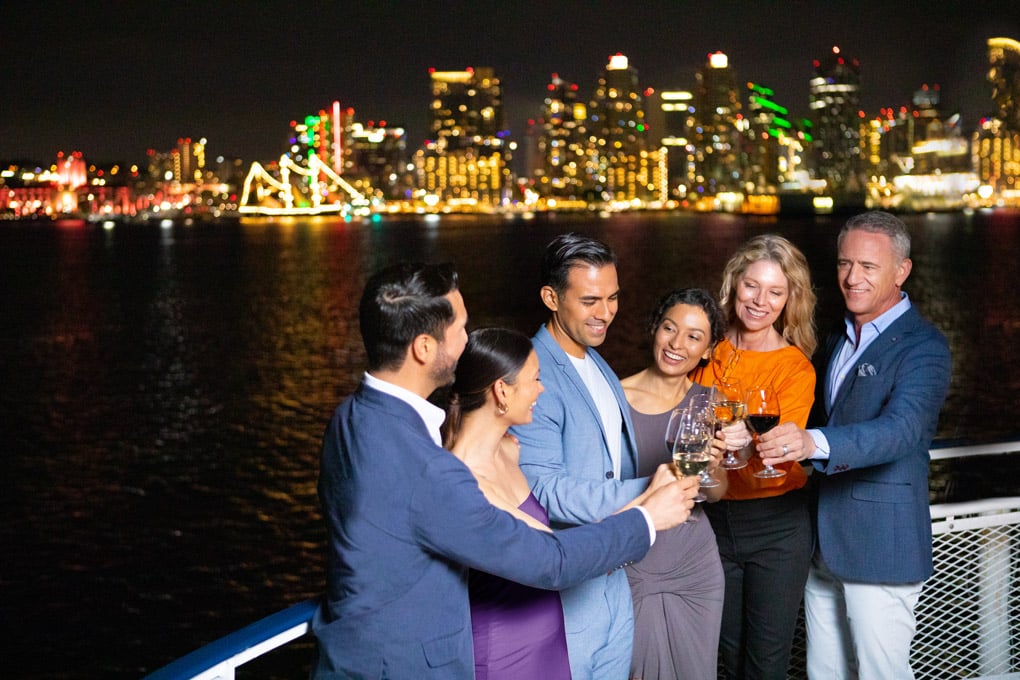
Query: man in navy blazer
{"points": [[406, 519], [578, 452], [883, 377]]}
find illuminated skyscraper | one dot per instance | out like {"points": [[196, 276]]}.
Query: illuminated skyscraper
{"points": [[776, 141], [189, 160], [375, 161], [677, 137], [560, 168], [719, 138], [835, 107], [996, 143], [1004, 75], [466, 162], [617, 134]]}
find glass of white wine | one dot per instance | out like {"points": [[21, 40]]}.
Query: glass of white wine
{"points": [[702, 407], [729, 407], [690, 450]]}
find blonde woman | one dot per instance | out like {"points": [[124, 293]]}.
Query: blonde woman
{"points": [[763, 526]]}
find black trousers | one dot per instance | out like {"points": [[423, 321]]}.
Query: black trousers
{"points": [[765, 545]]}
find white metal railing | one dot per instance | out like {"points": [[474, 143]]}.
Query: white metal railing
{"points": [[968, 616]]}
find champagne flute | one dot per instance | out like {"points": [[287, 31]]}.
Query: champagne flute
{"points": [[729, 408], [762, 416], [690, 450]]}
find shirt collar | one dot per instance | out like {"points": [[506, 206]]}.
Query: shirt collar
{"points": [[431, 415], [877, 325]]}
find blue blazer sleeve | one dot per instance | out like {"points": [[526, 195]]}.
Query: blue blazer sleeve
{"points": [[564, 453]]}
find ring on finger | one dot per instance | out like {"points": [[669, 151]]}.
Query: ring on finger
{"points": [[786, 450]]}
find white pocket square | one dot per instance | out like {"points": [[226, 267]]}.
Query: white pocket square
{"points": [[866, 369]]}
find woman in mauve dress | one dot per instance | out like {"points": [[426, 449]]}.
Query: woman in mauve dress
{"points": [[678, 587]]}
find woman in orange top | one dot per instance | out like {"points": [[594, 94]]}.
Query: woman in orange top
{"points": [[763, 526]]}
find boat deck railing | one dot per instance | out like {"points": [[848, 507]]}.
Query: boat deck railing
{"points": [[968, 616]]}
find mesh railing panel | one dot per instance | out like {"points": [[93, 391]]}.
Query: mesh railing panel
{"points": [[968, 612], [968, 617]]}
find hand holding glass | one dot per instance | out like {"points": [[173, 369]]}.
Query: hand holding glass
{"points": [[728, 403], [690, 450], [762, 416]]}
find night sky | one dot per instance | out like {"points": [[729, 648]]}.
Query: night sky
{"points": [[113, 79]]}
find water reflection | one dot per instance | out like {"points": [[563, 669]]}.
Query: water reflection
{"points": [[164, 391]]}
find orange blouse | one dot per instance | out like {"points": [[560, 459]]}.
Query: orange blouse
{"points": [[791, 374]]}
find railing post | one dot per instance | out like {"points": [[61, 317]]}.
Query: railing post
{"points": [[993, 604]]}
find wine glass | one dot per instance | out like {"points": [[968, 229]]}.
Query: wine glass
{"points": [[700, 405], [671, 428], [690, 450], [762, 416], [728, 404]]}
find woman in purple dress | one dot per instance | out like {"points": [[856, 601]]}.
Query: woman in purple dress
{"points": [[518, 630]]}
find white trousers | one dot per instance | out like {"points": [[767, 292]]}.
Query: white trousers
{"points": [[858, 630]]}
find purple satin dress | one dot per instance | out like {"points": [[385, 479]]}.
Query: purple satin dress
{"points": [[518, 630]]}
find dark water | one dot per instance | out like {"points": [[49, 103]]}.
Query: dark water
{"points": [[163, 393]]}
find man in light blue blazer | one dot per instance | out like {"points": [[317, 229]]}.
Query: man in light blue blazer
{"points": [[883, 377], [405, 518], [578, 452]]}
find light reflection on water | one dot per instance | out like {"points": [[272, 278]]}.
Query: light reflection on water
{"points": [[163, 394]]}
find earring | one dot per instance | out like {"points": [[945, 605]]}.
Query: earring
{"points": [[502, 409]]}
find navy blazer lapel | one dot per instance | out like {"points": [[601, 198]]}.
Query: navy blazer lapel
{"points": [[870, 362], [823, 368]]}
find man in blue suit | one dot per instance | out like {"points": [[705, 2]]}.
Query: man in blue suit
{"points": [[405, 518], [578, 452], [883, 378]]}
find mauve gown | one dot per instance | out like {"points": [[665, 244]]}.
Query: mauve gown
{"points": [[518, 630], [678, 587]]}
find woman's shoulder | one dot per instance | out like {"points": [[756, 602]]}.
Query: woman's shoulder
{"points": [[510, 448], [633, 381]]}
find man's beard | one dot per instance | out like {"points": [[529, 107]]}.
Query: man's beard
{"points": [[444, 370]]}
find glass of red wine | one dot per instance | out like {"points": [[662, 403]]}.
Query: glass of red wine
{"points": [[762, 416]]}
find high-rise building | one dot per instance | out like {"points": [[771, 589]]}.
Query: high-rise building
{"points": [[836, 112], [617, 135], [1004, 75], [189, 160], [376, 163], [677, 139], [719, 134], [996, 143], [777, 141], [561, 165], [466, 161]]}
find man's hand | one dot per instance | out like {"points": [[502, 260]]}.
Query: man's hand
{"points": [[664, 474], [671, 504], [785, 443]]}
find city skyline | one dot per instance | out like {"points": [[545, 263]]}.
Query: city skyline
{"points": [[115, 83]]}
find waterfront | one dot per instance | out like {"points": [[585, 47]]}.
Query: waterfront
{"points": [[163, 392]]}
